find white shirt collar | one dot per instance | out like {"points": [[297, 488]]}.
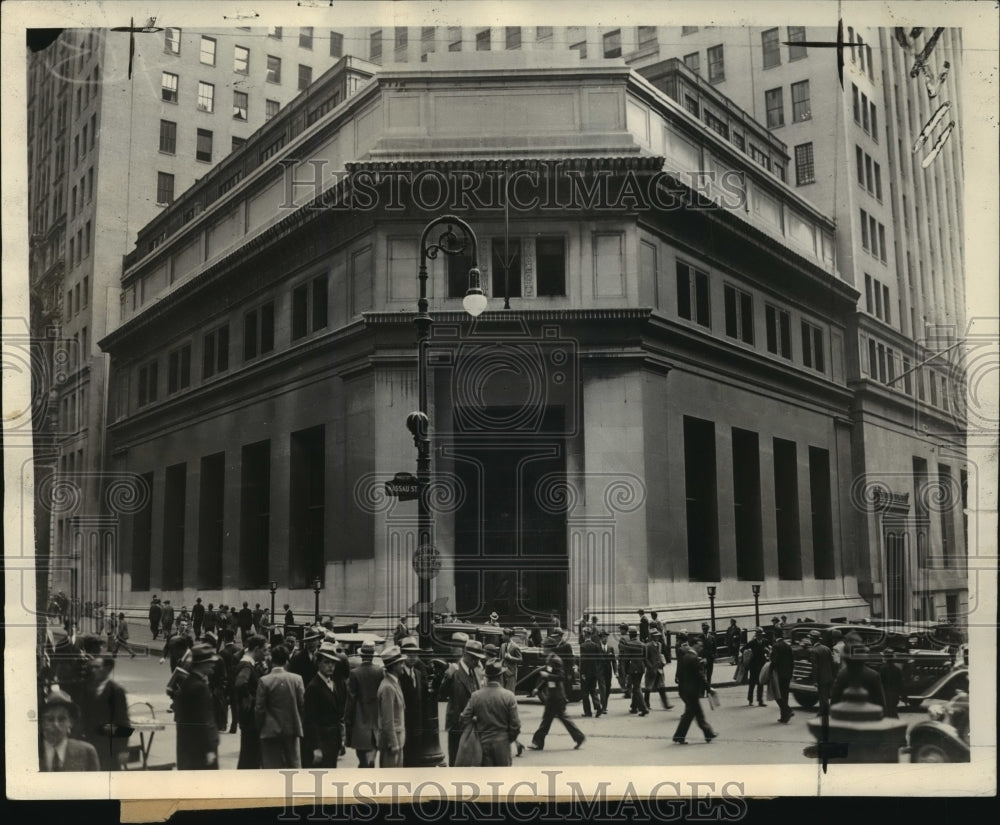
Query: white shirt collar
{"points": [[60, 749]]}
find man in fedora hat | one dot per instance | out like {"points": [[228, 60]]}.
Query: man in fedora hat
{"points": [[361, 714], [590, 653], [391, 736], [493, 710], [413, 682], [494, 619], [459, 683], [278, 713], [306, 663], [653, 664], [606, 666], [197, 734], [325, 703], [59, 752], [104, 714], [248, 673], [633, 655], [691, 686], [555, 705], [758, 656]]}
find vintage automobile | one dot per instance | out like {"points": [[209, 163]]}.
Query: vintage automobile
{"points": [[921, 668], [955, 681], [944, 735]]}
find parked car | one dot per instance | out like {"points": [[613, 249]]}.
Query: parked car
{"points": [[921, 668], [955, 681], [944, 735]]}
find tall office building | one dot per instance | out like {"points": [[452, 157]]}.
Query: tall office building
{"points": [[106, 154]]}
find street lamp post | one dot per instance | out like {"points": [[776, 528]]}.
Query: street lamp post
{"points": [[711, 604], [317, 586], [756, 604], [425, 562], [274, 589]]}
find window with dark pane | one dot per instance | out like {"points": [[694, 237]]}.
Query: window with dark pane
{"points": [[550, 266]]}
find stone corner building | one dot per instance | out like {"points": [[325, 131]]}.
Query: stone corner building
{"points": [[672, 399]]}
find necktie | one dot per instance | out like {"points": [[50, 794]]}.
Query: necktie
{"points": [[56, 761]]}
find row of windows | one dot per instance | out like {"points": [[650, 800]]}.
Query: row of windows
{"points": [[73, 412], [77, 298], [774, 104], [716, 63], [869, 173], [888, 366], [873, 236], [207, 46], [83, 142], [865, 112], [877, 299], [79, 247], [84, 193], [861, 53], [772, 47], [693, 304], [170, 83], [87, 88]]}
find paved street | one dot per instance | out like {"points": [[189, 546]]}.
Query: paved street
{"points": [[747, 735]]}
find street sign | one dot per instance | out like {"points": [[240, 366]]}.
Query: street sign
{"points": [[403, 486], [427, 562]]}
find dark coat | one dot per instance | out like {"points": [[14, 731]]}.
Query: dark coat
{"points": [[590, 655], [758, 654], [303, 664], [868, 679], [322, 719], [245, 694], [289, 617], [176, 645], [105, 723], [197, 734], [413, 695], [892, 684], [457, 687], [245, 618], [782, 661], [80, 756], [822, 660], [198, 613], [155, 613], [691, 680], [361, 714], [644, 629], [167, 615], [606, 662]]}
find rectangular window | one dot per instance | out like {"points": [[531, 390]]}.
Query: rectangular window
{"points": [[455, 38], [700, 491], [309, 307], [947, 511], [458, 274], [204, 149], [812, 347], [821, 501], [874, 113], [859, 159], [215, 352], [693, 295], [885, 303], [693, 62], [336, 44], [757, 156], [688, 30], [402, 37], [881, 242], [305, 76], [512, 37], [179, 369], [801, 106], [211, 526], [779, 331], [168, 137], [873, 231], [864, 229], [271, 108], [796, 35], [550, 266], [861, 53], [691, 104], [255, 514], [172, 41], [878, 298], [307, 500], [241, 60], [805, 171], [273, 69], [869, 182], [647, 36], [907, 376], [716, 64], [746, 506], [240, 105], [238, 143], [543, 32], [786, 509], [716, 124], [613, 43], [174, 510], [85, 292], [871, 62], [878, 181], [274, 31], [305, 37], [168, 87], [864, 113], [771, 47], [258, 331], [375, 46], [164, 189], [483, 40], [739, 314], [147, 383], [856, 103], [86, 240], [774, 103], [869, 302], [142, 540], [206, 97], [207, 55], [506, 260], [580, 48]]}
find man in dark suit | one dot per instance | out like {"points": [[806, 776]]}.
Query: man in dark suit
{"points": [[58, 751], [104, 714], [782, 663], [709, 646], [197, 734], [289, 619], [278, 713], [633, 654], [606, 666], [653, 665], [413, 683], [325, 703], [167, 617], [643, 626], [198, 617], [361, 713], [305, 662], [244, 620], [458, 684], [758, 656], [257, 615], [691, 685], [855, 672], [249, 669], [230, 653], [590, 653], [155, 614], [555, 706], [823, 669]]}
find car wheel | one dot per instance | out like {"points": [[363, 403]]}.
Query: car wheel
{"points": [[805, 700], [931, 752]]}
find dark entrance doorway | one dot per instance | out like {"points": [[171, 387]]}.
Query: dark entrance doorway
{"points": [[510, 537], [895, 576]]}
